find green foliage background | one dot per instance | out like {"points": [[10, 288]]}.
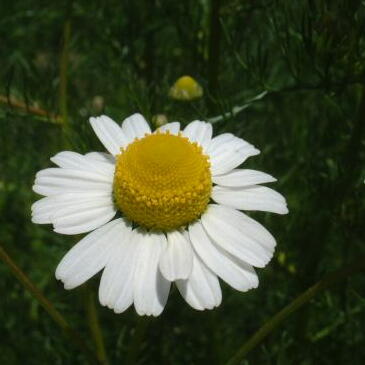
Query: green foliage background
{"points": [[121, 57]]}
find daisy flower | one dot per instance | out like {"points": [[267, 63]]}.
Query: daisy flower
{"points": [[178, 195]]}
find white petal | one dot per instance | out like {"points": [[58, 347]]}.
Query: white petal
{"points": [[151, 289], [236, 273], [251, 198], [116, 285], [223, 141], [227, 229], [44, 209], [101, 156], [90, 255], [177, 257], [200, 132], [135, 126], [247, 225], [84, 227], [201, 290], [173, 128], [219, 142], [54, 181], [73, 160], [109, 133], [230, 236], [70, 160], [242, 177], [84, 216], [227, 152]]}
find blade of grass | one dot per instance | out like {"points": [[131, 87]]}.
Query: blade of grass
{"points": [[94, 325]]}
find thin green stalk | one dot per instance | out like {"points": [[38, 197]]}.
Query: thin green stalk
{"points": [[92, 316], [48, 306], [134, 347], [63, 73], [214, 51], [64, 57], [94, 325], [277, 319]]}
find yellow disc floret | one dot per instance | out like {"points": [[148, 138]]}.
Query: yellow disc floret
{"points": [[162, 181]]}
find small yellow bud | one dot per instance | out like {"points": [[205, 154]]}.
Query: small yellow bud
{"points": [[281, 258], [186, 88], [98, 104], [159, 120]]}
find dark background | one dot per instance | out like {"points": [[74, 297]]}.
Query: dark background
{"points": [[61, 62]]}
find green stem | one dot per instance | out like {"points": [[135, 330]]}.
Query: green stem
{"points": [[135, 345], [214, 51], [92, 315], [63, 73], [297, 303], [48, 306], [94, 325]]}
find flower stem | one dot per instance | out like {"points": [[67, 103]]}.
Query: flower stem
{"points": [[94, 325], [214, 51], [63, 75], [63, 72], [48, 306], [277, 319], [91, 311], [45, 115]]}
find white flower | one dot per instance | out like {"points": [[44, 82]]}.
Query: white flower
{"points": [[161, 184]]}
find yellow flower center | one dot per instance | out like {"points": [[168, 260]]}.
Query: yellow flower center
{"points": [[162, 181]]}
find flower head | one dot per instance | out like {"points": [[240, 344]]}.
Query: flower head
{"points": [[162, 184], [186, 88]]}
